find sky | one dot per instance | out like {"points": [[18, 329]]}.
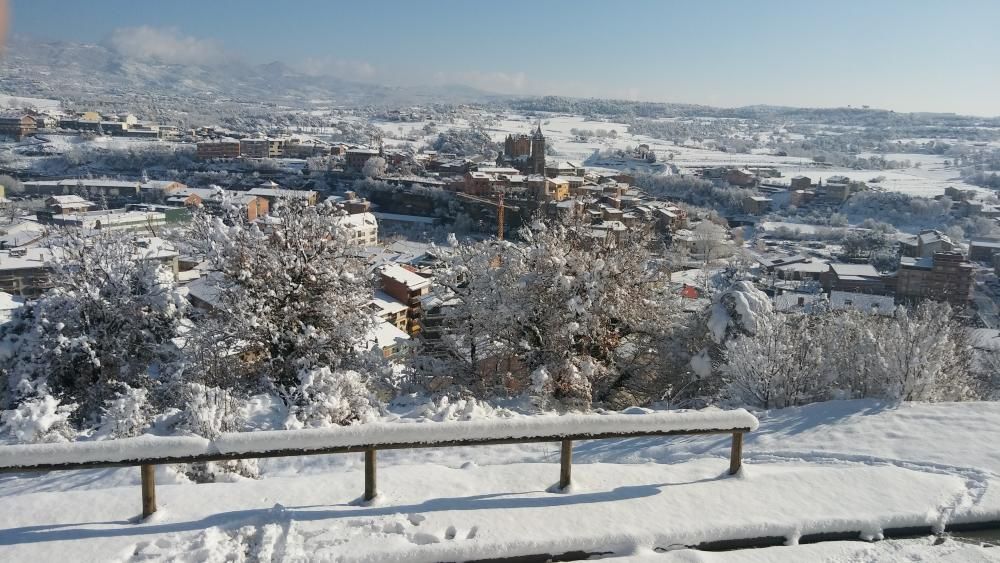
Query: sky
{"points": [[904, 55]]}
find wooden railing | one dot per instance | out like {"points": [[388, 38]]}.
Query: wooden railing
{"points": [[147, 452]]}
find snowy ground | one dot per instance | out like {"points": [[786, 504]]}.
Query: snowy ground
{"points": [[928, 181], [905, 551], [857, 466]]}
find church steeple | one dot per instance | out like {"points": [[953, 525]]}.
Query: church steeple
{"points": [[536, 162], [538, 132]]}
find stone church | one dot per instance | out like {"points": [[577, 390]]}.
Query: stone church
{"points": [[524, 152]]}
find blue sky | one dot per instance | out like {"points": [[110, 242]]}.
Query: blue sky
{"points": [[903, 55]]}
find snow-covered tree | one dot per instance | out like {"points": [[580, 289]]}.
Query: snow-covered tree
{"points": [[917, 354], [740, 310], [328, 398], [129, 414], [39, 419], [208, 412], [374, 167], [570, 318], [107, 324], [774, 368], [923, 356], [710, 241], [292, 296]]}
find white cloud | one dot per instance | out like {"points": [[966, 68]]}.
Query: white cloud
{"points": [[491, 81], [166, 45], [341, 68]]}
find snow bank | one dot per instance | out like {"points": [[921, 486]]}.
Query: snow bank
{"points": [[432, 513], [375, 434]]}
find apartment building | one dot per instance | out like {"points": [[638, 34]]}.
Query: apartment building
{"points": [[389, 309], [106, 219], [356, 158], [361, 227], [17, 125], [406, 287], [79, 186], [218, 148], [945, 276], [26, 272]]}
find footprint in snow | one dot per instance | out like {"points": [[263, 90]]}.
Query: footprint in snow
{"points": [[416, 519]]}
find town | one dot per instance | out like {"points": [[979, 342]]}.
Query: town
{"points": [[281, 284], [415, 194]]}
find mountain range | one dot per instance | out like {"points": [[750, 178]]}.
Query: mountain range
{"points": [[100, 72]]}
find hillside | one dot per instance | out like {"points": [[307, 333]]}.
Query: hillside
{"points": [[82, 71]]}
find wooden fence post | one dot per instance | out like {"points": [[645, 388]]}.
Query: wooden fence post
{"points": [[370, 490], [148, 476], [566, 464], [736, 455]]}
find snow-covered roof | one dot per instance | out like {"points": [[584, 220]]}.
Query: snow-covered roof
{"points": [[386, 304], [282, 193], [158, 184], [923, 263], [775, 260], [610, 226], [927, 237], [10, 302], [386, 334], [69, 200], [985, 243], [242, 198], [85, 182], [856, 270], [808, 266], [404, 218], [356, 220], [498, 170], [203, 193], [106, 217], [843, 300], [207, 289], [790, 301], [26, 258], [400, 274], [22, 233]]}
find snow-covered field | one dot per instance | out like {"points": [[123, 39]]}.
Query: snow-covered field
{"points": [[929, 180], [18, 102], [859, 466]]}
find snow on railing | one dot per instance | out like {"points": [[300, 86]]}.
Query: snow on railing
{"points": [[147, 451]]}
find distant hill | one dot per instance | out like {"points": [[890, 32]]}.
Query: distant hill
{"points": [[80, 71]]}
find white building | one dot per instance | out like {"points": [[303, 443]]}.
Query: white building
{"points": [[362, 227], [114, 219], [388, 338]]}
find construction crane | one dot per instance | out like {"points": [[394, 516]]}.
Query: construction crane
{"points": [[500, 216]]}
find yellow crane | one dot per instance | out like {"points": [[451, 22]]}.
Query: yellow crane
{"points": [[500, 216]]}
